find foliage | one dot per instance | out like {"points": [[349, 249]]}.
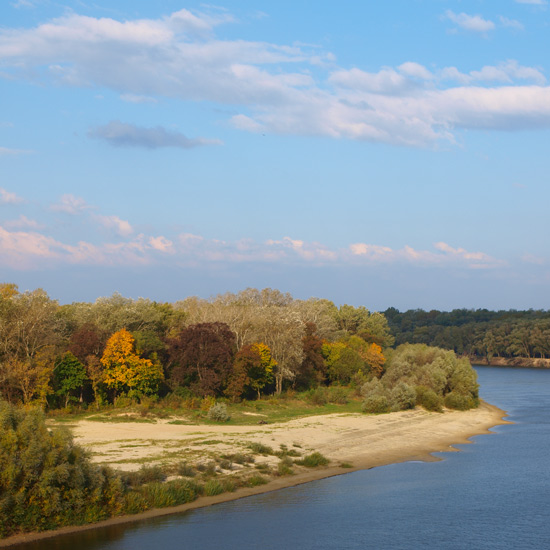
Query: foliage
{"points": [[480, 334], [427, 398], [46, 481], [218, 413], [436, 371], [252, 371], [69, 376], [376, 404], [202, 355], [125, 371], [342, 361], [402, 397], [313, 460]]}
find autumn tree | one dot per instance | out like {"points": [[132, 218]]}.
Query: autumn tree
{"points": [[31, 334], [252, 371], [202, 357], [313, 369], [123, 369], [87, 340], [342, 361]]}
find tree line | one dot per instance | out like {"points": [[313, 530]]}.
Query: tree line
{"points": [[480, 334], [232, 345]]}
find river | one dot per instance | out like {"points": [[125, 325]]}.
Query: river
{"points": [[494, 494]]}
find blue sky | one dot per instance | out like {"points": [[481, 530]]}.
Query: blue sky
{"points": [[372, 153]]}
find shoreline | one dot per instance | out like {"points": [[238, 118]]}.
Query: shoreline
{"points": [[437, 432]]}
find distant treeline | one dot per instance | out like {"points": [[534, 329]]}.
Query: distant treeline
{"points": [[479, 333]]}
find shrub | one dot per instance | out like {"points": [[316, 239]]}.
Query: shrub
{"points": [[313, 460], [460, 402], [261, 449], [403, 397], [46, 481], [427, 398], [218, 413], [185, 469], [376, 404], [255, 480], [338, 395], [161, 495], [213, 487], [284, 466], [317, 396]]}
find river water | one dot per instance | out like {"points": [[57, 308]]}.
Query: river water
{"points": [[495, 494]]}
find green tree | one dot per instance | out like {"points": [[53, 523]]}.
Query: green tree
{"points": [[69, 376]]}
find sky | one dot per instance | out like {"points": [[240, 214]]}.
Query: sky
{"points": [[371, 153]]}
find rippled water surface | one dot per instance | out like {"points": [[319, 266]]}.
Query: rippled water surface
{"points": [[495, 494]]}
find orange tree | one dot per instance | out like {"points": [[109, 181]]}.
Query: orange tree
{"points": [[124, 371], [252, 371]]}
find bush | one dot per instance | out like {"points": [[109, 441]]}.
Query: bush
{"points": [[218, 413], [318, 396], [427, 398], [161, 495], [261, 449], [403, 397], [184, 469], [146, 474], [255, 480], [313, 460], [338, 395], [284, 466], [46, 480], [213, 487], [460, 402], [376, 404]]}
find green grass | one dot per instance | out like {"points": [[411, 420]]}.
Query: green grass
{"points": [[313, 460], [282, 408]]}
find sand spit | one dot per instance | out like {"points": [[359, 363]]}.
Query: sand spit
{"points": [[361, 441]]}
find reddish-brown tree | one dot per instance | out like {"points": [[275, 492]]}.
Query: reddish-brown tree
{"points": [[202, 357]]}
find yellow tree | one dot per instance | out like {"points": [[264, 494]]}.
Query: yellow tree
{"points": [[375, 359], [125, 371]]}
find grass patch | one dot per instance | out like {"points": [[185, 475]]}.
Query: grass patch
{"points": [[313, 460], [261, 449], [256, 480]]}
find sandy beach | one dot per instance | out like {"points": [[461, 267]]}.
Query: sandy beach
{"points": [[356, 441]]}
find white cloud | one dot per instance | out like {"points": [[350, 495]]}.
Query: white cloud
{"points": [[121, 227], [8, 197], [23, 222], [415, 70], [162, 244], [533, 2], [121, 134], [510, 23], [70, 204], [270, 87], [33, 249], [386, 81], [474, 23], [508, 72]]}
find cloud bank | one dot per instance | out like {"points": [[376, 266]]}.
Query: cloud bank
{"points": [[272, 87]]}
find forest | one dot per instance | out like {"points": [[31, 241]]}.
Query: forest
{"points": [[480, 334], [234, 346]]}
